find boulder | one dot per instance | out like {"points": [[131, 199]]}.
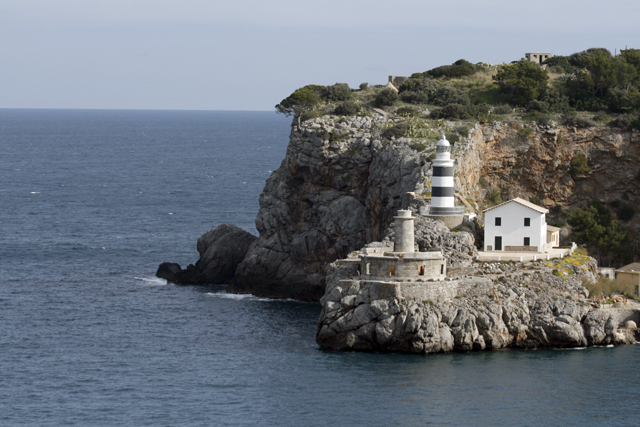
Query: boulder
{"points": [[221, 250]]}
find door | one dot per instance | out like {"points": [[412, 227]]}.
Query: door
{"points": [[498, 244]]}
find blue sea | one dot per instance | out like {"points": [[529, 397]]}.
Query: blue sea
{"points": [[91, 201]]}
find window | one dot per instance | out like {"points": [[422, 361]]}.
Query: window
{"points": [[498, 221], [392, 270], [527, 241], [368, 268], [421, 270], [441, 268], [527, 222]]}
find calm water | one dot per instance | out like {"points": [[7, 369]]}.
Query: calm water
{"points": [[92, 201]]}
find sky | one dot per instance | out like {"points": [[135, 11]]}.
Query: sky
{"points": [[250, 54]]}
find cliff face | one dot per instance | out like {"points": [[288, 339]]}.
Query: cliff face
{"points": [[342, 181], [337, 189], [539, 165]]}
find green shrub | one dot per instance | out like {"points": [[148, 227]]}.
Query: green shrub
{"points": [[459, 68], [397, 131], [450, 95], [386, 98], [451, 111], [625, 212], [418, 146], [601, 117], [577, 121], [579, 165], [560, 64], [364, 86], [541, 119], [627, 121], [347, 108], [308, 115], [461, 112], [483, 182], [521, 82], [407, 112], [337, 92], [525, 133], [538, 105], [502, 109], [418, 90], [494, 197], [535, 200]]}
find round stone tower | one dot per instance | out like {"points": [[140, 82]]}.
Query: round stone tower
{"points": [[404, 232], [442, 199]]}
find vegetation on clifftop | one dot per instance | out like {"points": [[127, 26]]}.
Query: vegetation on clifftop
{"points": [[592, 88], [578, 90]]}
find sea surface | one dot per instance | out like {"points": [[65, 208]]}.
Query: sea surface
{"points": [[91, 201]]}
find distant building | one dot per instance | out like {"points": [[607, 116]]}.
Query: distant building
{"points": [[518, 226], [537, 57], [630, 274], [397, 80]]}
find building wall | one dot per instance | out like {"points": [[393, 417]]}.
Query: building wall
{"points": [[426, 291], [629, 278], [537, 57], [378, 267], [553, 238], [512, 229]]}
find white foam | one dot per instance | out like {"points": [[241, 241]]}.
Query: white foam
{"points": [[240, 297], [156, 281], [35, 192]]}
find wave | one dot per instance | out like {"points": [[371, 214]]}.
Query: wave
{"points": [[571, 348], [153, 281], [244, 297]]}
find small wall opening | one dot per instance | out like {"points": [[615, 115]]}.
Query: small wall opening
{"points": [[441, 268], [392, 270], [421, 270], [367, 268]]}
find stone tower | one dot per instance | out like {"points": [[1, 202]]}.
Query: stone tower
{"points": [[404, 240]]}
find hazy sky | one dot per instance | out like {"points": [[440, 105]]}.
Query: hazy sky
{"points": [[249, 54]]}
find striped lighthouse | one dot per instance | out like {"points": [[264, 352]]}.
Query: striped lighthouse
{"points": [[442, 199]]}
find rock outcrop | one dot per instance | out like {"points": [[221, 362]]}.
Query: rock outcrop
{"points": [[221, 250], [504, 305], [337, 189], [343, 179]]}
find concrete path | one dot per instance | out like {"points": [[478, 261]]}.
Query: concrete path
{"points": [[526, 256]]}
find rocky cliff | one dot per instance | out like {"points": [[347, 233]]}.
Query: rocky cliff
{"points": [[538, 165], [501, 305], [343, 178], [337, 189]]}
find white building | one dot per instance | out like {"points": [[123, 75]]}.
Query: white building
{"points": [[517, 225]]}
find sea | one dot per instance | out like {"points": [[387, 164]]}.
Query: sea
{"points": [[92, 201]]}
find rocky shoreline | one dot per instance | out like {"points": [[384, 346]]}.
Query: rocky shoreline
{"points": [[512, 305]]}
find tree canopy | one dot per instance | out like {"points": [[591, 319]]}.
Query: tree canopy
{"points": [[301, 100], [603, 236], [522, 81]]}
